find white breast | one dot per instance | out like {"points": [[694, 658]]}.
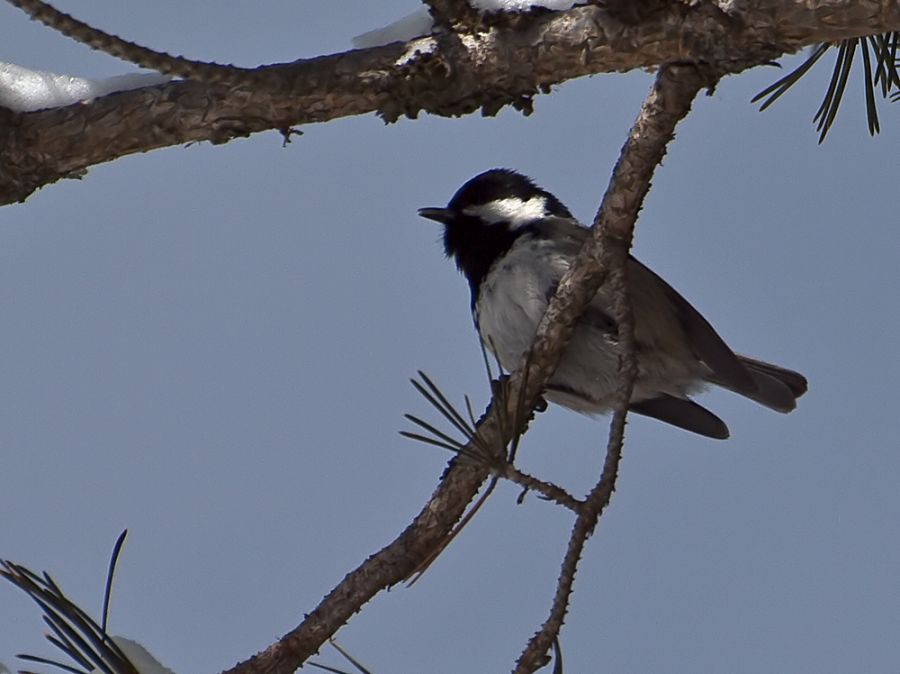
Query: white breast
{"points": [[513, 298]]}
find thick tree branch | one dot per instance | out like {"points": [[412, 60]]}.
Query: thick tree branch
{"points": [[450, 73], [668, 102]]}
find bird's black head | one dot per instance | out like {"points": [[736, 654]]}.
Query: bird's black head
{"points": [[487, 214]]}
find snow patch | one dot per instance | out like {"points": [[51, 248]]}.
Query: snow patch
{"points": [[425, 45], [24, 90], [140, 657], [520, 5], [420, 23], [410, 26]]}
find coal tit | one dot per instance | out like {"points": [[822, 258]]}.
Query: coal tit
{"points": [[513, 241]]}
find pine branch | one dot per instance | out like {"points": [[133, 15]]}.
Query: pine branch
{"points": [[880, 71], [87, 644]]}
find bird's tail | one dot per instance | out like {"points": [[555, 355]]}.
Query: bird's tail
{"points": [[775, 387]]}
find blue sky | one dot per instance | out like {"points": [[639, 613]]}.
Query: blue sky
{"points": [[211, 346]]}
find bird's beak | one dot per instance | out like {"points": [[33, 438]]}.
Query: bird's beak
{"points": [[442, 215]]}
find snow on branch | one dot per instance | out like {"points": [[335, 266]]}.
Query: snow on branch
{"points": [[24, 90], [506, 61]]}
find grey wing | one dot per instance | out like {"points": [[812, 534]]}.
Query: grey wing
{"points": [[705, 342], [769, 385], [708, 347]]}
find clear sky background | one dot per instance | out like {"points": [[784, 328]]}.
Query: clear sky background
{"points": [[211, 346]]}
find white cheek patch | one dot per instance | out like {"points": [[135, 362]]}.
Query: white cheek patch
{"points": [[515, 211]]}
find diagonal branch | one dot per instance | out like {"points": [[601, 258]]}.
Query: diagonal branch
{"points": [[462, 479], [668, 102]]}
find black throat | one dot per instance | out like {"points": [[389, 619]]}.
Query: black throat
{"points": [[476, 246]]}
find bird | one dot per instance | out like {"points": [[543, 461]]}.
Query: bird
{"points": [[513, 241]]}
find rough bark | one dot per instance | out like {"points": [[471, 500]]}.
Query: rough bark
{"points": [[504, 60]]}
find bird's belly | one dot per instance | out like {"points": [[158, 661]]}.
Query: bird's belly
{"points": [[585, 379], [587, 376]]}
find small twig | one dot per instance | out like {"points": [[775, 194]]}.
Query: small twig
{"points": [[667, 103], [548, 490], [123, 49]]}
